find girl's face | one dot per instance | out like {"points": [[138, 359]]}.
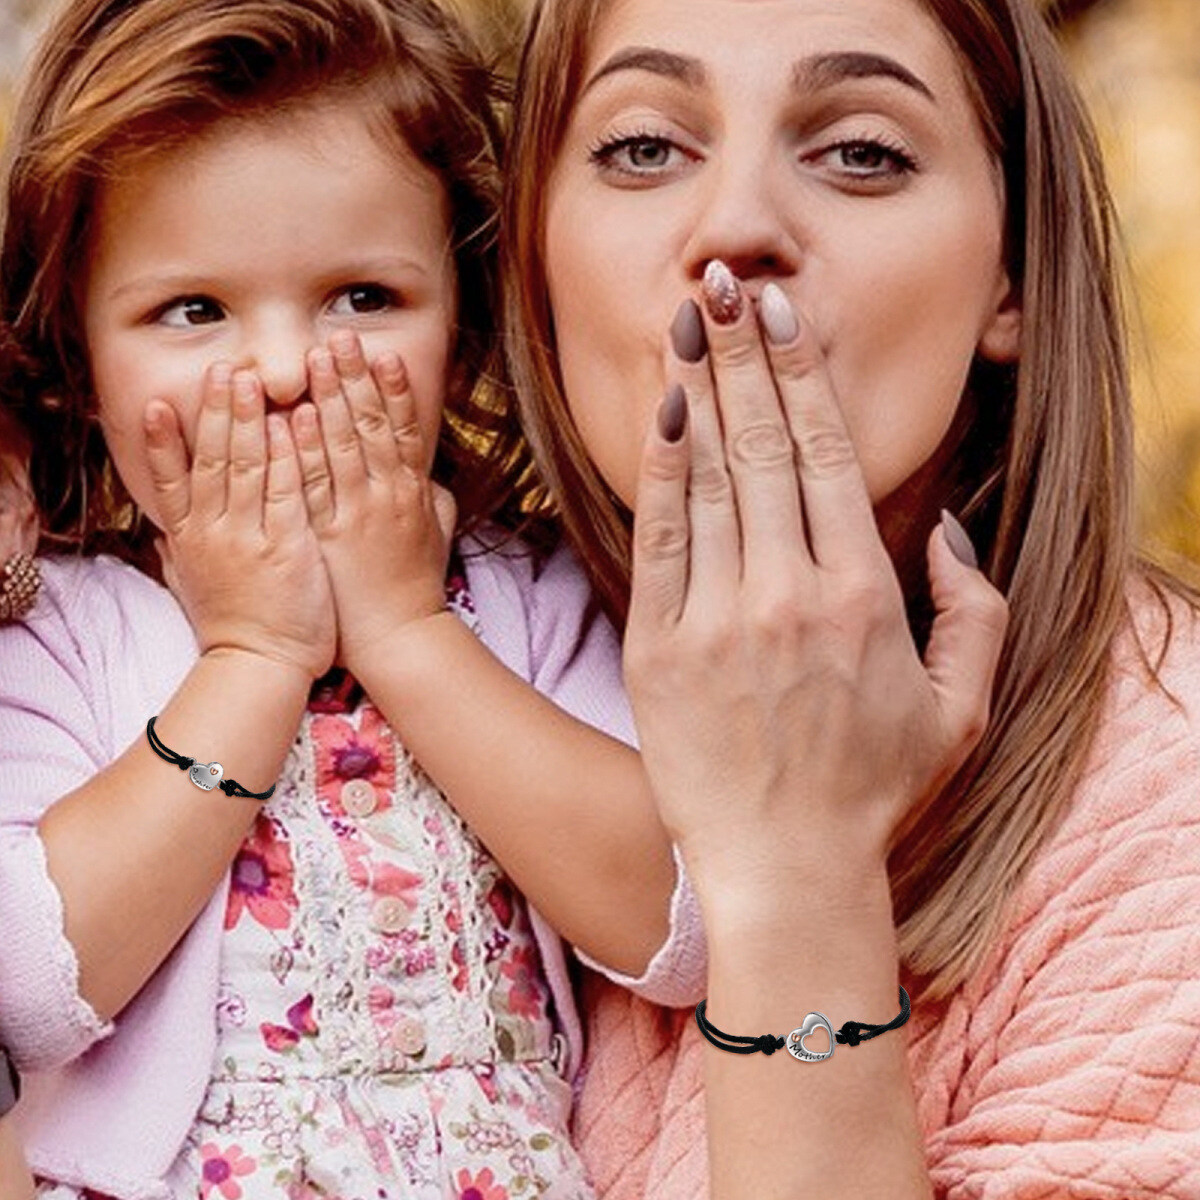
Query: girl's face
{"points": [[828, 145], [251, 245]]}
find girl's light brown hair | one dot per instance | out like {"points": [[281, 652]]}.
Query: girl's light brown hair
{"points": [[1042, 462], [115, 79]]}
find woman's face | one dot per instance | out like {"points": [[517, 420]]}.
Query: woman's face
{"points": [[828, 145]]}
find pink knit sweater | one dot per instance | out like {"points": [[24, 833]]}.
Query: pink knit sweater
{"points": [[1069, 1066]]}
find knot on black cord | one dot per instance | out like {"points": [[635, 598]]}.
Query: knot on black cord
{"points": [[184, 763], [849, 1035], [768, 1043], [227, 786]]}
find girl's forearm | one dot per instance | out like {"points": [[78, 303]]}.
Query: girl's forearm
{"points": [[565, 810], [842, 1129], [138, 850]]}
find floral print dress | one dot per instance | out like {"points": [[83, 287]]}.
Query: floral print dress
{"points": [[385, 1030]]}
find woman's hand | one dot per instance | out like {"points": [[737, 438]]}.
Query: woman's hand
{"points": [[237, 550], [383, 527], [786, 719]]}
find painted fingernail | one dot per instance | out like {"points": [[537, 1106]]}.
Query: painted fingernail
{"points": [[687, 333], [778, 316], [958, 541], [722, 293], [672, 414]]}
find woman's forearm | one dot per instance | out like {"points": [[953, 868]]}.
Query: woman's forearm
{"points": [[15, 1180], [841, 1129], [138, 850]]}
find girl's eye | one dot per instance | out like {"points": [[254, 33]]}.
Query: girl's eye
{"points": [[868, 159], [190, 311], [363, 298], [639, 154]]}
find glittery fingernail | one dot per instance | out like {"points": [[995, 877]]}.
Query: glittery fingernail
{"points": [[722, 293], [672, 414], [778, 316], [687, 333], [958, 541]]}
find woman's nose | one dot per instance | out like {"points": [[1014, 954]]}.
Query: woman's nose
{"points": [[277, 351], [748, 219]]}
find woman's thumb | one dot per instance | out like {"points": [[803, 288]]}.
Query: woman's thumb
{"points": [[967, 634]]}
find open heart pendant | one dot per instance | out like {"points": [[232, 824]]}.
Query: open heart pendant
{"points": [[206, 775], [795, 1039]]}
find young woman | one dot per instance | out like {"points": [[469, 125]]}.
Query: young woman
{"points": [[879, 236]]}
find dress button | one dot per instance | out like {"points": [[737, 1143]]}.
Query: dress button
{"points": [[408, 1035], [389, 914], [358, 797]]}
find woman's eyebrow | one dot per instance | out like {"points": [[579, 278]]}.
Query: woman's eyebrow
{"points": [[810, 74], [826, 70], [686, 70]]}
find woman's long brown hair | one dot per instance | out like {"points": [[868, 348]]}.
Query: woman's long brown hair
{"points": [[1042, 467], [114, 79]]}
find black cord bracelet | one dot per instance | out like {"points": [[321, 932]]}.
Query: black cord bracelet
{"points": [[850, 1034], [203, 775]]}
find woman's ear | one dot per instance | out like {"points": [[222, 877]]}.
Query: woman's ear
{"points": [[1000, 341]]}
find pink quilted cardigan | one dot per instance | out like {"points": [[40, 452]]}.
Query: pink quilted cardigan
{"points": [[1069, 1066]]}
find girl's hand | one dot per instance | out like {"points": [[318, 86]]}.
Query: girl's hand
{"points": [[786, 719], [383, 527], [237, 550]]}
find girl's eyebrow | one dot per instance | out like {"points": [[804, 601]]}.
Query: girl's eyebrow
{"points": [[814, 73]]}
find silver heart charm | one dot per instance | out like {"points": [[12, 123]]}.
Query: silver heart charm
{"points": [[795, 1039], [206, 775]]}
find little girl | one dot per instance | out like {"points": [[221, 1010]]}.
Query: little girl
{"points": [[218, 212]]}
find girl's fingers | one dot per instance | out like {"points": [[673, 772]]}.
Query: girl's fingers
{"points": [[284, 511], [166, 457], [210, 458], [401, 408], [316, 481], [247, 450], [714, 563], [837, 507], [758, 444], [368, 411], [660, 526], [347, 469]]}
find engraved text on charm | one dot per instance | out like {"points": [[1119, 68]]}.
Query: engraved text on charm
{"points": [[206, 775], [795, 1039]]}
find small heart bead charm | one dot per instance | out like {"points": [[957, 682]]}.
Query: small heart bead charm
{"points": [[795, 1039], [206, 775]]}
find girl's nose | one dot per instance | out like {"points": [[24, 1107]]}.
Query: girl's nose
{"points": [[748, 219], [277, 353]]}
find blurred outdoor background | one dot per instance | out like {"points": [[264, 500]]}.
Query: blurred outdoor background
{"points": [[1138, 64]]}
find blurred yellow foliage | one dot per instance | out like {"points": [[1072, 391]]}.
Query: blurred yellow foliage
{"points": [[1138, 63]]}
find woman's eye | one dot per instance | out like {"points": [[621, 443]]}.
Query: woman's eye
{"points": [[190, 311], [363, 298], [868, 159], [641, 154]]}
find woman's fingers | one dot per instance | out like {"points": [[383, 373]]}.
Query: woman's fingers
{"points": [[166, 457], [660, 526], [758, 445], [247, 450], [714, 565], [837, 507], [968, 631]]}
